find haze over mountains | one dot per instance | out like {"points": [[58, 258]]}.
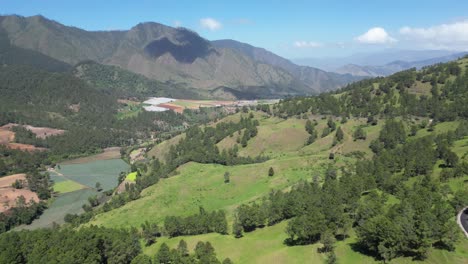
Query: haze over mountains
{"points": [[175, 55], [382, 63]]}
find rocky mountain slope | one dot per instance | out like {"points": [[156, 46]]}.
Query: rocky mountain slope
{"points": [[169, 54]]}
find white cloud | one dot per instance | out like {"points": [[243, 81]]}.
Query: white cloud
{"points": [[449, 36], [177, 23], [375, 35], [307, 44], [210, 23]]}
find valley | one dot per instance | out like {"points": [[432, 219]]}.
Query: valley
{"points": [[127, 141]]}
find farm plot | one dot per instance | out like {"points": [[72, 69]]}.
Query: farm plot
{"points": [[8, 194], [68, 203], [75, 183], [105, 172], [107, 154], [67, 186]]}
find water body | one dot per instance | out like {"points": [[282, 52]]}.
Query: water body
{"points": [[105, 172]]}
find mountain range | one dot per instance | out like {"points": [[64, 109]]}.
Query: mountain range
{"points": [[223, 68], [394, 66]]}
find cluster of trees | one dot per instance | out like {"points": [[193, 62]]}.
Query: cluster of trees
{"points": [[359, 134], [422, 219], [14, 161], [23, 213], [201, 223], [203, 253], [84, 245], [310, 128]]}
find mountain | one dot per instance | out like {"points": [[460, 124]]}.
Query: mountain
{"points": [[372, 58], [12, 55], [168, 54], [394, 66], [315, 79]]}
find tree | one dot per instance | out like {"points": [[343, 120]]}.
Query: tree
{"points": [[227, 177], [150, 232], [328, 240], [331, 124], [237, 229], [227, 261], [164, 255], [451, 159], [98, 186], [141, 259], [182, 248], [359, 134], [331, 258], [339, 134], [271, 172], [309, 127]]}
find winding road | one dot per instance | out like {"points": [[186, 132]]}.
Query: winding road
{"points": [[462, 220]]}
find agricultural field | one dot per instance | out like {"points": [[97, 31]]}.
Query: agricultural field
{"points": [[158, 104], [107, 154], [8, 194], [7, 137], [74, 183], [67, 186], [131, 176]]}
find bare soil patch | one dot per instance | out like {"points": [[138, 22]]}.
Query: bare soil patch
{"points": [[40, 132], [8, 194], [175, 108], [24, 147], [108, 154]]}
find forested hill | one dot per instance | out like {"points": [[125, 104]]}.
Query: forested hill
{"points": [[124, 83], [439, 92]]}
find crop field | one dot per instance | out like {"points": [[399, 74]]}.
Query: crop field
{"points": [[67, 186], [131, 176], [107, 154], [74, 184], [105, 172], [67, 203]]}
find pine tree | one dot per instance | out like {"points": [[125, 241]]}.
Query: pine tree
{"points": [[271, 172]]}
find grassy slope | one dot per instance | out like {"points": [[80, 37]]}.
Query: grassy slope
{"points": [[266, 246], [283, 140], [67, 186]]}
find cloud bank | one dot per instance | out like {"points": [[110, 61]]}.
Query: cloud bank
{"points": [[448, 36]]}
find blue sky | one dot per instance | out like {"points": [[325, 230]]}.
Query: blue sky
{"points": [[291, 28]]}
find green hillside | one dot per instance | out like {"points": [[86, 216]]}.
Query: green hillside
{"points": [[376, 138]]}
